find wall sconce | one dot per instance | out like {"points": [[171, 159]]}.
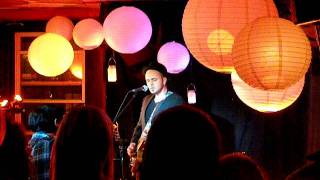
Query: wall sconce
{"points": [[4, 103], [15, 105], [112, 70], [191, 93]]}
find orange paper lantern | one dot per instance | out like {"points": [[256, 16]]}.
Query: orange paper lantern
{"points": [[266, 100], [76, 68], [271, 53], [88, 34], [60, 25], [209, 28], [50, 54]]}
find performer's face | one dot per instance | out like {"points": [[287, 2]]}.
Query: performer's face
{"points": [[155, 81]]}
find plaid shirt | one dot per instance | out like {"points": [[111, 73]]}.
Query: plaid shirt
{"points": [[40, 144]]}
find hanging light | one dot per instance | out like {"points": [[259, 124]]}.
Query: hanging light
{"points": [[209, 28], [271, 53], [191, 94], [112, 69]]}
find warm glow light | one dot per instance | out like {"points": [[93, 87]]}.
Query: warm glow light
{"points": [[271, 53], [50, 54], [112, 73], [220, 42], [88, 34], [191, 94], [4, 103], [127, 29], [17, 98], [209, 28], [76, 68], [60, 25], [266, 100], [174, 56]]}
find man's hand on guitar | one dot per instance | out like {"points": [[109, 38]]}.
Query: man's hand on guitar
{"points": [[131, 150]]}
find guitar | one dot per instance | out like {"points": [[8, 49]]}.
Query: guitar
{"points": [[136, 159]]}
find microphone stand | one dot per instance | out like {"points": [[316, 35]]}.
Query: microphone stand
{"points": [[121, 146]]}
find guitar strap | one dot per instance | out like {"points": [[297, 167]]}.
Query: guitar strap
{"points": [[146, 129]]}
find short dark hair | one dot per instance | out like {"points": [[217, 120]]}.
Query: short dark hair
{"points": [[156, 66]]}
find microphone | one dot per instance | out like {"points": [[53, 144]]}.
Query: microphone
{"points": [[143, 88]]}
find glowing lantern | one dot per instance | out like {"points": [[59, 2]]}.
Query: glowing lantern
{"points": [[266, 100], [50, 54], [271, 53], [112, 70], [209, 28], [88, 34], [174, 56], [60, 25], [191, 94], [127, 29], [76, 68]]}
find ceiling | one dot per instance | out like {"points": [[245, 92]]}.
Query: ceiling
{"points": [[28, 10]]}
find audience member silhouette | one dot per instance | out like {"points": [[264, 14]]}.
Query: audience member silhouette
{"points": [[83, 148], [310, 171], [41, 122], [183, 143], [14, 163], [239, 166]]}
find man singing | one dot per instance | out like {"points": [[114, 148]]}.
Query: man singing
{"points": [[159, 100]]}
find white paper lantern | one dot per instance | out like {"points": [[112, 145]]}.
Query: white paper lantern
{"points": [[127, 29], [88, 34], [266, 100], [174, 56]]}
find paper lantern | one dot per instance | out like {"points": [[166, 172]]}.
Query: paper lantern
{"points": [[271, 53], [88, 34], [76, 68], [50, 54], [127, 29], [209, 28], [60, 25], [266, 100], [174, 56]]}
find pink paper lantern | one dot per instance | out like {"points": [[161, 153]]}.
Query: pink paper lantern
{"points": [[210, 27], [60, 25], [127, 29], [174, 56], [266, 100], [88, 34]]}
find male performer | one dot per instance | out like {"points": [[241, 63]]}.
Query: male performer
{"points": [[159, 100]]}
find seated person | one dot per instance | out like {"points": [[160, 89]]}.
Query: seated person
{"points": [[239, 166], [14, 163], [41, 121], [182, 143], [83, 148]]}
